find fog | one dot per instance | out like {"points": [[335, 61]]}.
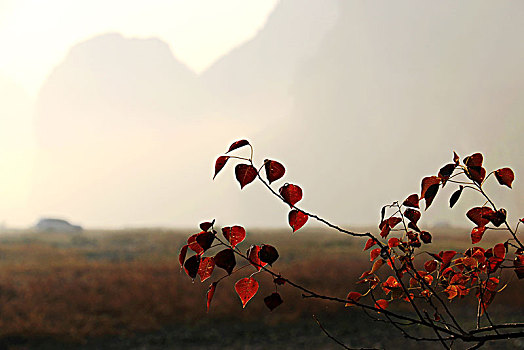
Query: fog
{"points": [[359, 100]]}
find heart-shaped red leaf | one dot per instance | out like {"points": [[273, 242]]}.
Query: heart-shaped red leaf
{"points": [[192, 265], [291, 193], [234, 234], [393, 242], [219, 164], [246, 289], [238, 144], [252, 255], [245, 174], [430, 265], [205, 240], [425, 237], [505, 176], [381, 304], [225, 259], [497, 218], [204, 226], [474, 160], [274, 170], [478, 215], [455, 196], [412, 201], [476, 173], [210, 293], [268, 254], [499, 250], [412, 215], [273, 301], [207, 265], [370, 243], [374, 253], [182, 255], [446, 257], [445, 172], [353, 297], [193, 244], [477, 233], [297, 219], [429, 189]]}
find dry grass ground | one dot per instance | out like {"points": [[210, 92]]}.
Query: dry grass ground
{"points": [[124, 289]]}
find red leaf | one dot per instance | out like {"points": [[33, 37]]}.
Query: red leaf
{"points": [[210, 293], [374, 253], [445, 172], [430, 186], [205, 240], [297, 219], [505, 176], [377, 265], [425, 237], [245, 174], [280, 281], [478, 215], [412, 215], [474, 160], [191, 266], [455, 196], [476, 173], [207, 265], [246, 289], [492, 283], [393, 242], [274, 170], [252, 255], [234, 235], [238, 144], [219, 164], [206, 225], [353, 297], [430, 265], [455, 158], [477, 233], [370, 243], [268, 254], [273, 301], [193, 244], [291, 193], [499, 251], [412, 201], [518, 263], [182, 255], [381, 304], [225, 259], [446, 258], [497, 218]]}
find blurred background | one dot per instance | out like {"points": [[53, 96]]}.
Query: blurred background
{"points": [[113, 113]]}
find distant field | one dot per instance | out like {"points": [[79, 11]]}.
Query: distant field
{"points": [[125, 289]]}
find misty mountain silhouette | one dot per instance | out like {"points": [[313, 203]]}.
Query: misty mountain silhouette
{"points": [[359, 101]]}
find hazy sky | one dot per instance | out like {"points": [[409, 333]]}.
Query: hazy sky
{"points": [[36, 35]]}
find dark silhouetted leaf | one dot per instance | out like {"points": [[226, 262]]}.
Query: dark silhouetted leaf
{"points": [[206, 225], [478, 215], [370, 243], [477, 233], [225, 259], [252, 255], [497, 218], [353, 297], [246, 289], [425, 237], [193, 244], [505, 176], [238, 144], [412, 201], [234, 234], [207, 265], [182, 255], [273, 301], [445, 172], [205, 239], [412, 215], [191, 266], [474, 160], [245, 174], [455, 196], [210, 293], [280, 281], [430, 186], [219, 164], [268, 254], [291, 194], [413, 226], [297, 219], [518, 263], [274, 170]]}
